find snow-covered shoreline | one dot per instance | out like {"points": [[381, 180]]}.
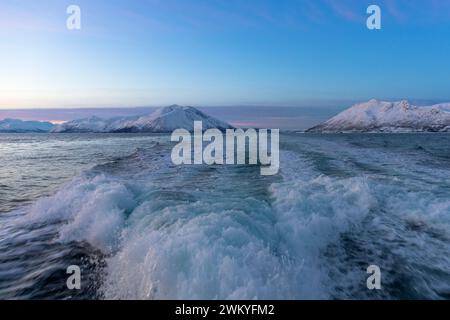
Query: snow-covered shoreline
{"points": [[19, 126]]}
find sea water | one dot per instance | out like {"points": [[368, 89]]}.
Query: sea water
{"points": [[141, 227]]}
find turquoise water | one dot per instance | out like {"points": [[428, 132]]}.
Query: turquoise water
{"points": [[142, 228]]}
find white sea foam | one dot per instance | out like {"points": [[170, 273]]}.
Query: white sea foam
{"points": [[312, 211], [205, 250], [214, 233], [91, 209]]}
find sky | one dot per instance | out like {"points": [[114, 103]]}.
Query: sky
{"points": [[305, 53]]}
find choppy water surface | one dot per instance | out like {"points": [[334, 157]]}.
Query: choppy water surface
{"points": [[142, 228]]}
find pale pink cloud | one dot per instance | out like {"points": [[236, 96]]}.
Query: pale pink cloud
{"points": [[343, 9]]}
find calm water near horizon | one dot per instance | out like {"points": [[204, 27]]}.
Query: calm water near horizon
{"points": [[142, 228]]}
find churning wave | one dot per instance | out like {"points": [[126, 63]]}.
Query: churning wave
{"points": [[146, 229]]}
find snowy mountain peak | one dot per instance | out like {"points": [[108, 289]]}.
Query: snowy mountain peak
{"points": [[164, 111], [164, 119], [385, 116], [404, 104]]}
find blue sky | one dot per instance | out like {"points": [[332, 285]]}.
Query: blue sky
{"points": [[222, 52]]}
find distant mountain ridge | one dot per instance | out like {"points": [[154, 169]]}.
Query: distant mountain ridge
{"points": [[16, 125], [372, 116], [162, 120], [385, 116]]}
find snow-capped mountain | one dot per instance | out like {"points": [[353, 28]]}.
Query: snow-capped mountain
{"points": [[383, 116], [16, 125], [91, 124], [161, 120]]}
